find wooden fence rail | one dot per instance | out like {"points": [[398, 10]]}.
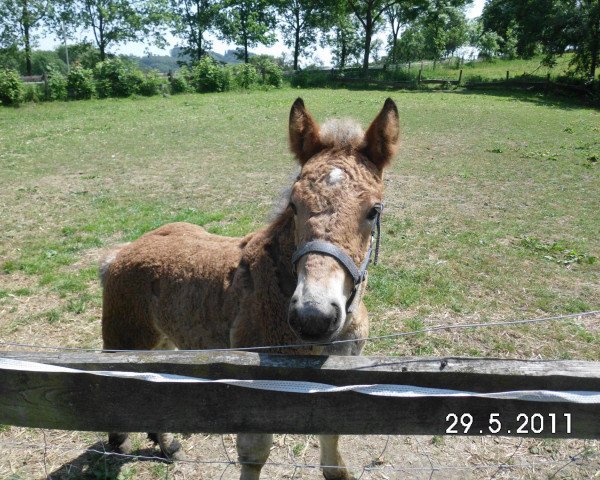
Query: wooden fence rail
{"points": [[83, 399]]}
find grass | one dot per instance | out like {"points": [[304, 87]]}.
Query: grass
{"points": [[496, 69], [492, 209], [487, 215]]}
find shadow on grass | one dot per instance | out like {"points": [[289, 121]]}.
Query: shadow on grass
{"points": [[554, 99], [99, 463]]}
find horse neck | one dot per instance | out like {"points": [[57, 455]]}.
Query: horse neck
{"points": [[280, 246]]}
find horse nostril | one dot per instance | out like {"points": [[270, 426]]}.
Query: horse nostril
{"points": [[337, 308], [294, 300]]}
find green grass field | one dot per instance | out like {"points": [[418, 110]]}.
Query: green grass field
{"points": [[496, 69], [492, 208]]}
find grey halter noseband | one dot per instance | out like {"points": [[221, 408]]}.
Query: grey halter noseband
{"points": [[358, 274]]}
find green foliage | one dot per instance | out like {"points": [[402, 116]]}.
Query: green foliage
{"points": [[32, 93], [118, 21], [179, 83], [409, 47], [557, 252], [270, 72], [245, 75], [557, 25], [57, 86], [191, 20], [345, 41], [311, 79], [152, 84], [45, 62], [83, 54], [299, 22], [11, 88], [10, 58], [80, 83], [117, 78], [489, 44], [248, 23], [208, 76]]}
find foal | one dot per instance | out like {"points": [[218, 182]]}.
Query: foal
{"points": [[296, 281]]}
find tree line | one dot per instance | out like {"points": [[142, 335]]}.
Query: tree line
{"points": [[417, 29]]}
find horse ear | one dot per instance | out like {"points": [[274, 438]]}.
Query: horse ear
{"points": [[381, 139], [304, 133]]}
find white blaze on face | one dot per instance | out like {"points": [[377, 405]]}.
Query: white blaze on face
{"points": [[323, 290], [335, 177]]}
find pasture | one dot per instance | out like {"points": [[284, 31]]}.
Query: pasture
{"points": [[491, 213]]}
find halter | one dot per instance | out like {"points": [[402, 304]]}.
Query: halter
{"points": [[358, 274]]}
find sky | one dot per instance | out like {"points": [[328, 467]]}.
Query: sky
{"points": [[139, 49]]}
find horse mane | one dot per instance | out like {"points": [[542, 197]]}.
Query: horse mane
{"points": [[341, 133]]}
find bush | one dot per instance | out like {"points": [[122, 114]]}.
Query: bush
{"points": [[271, 73], [152, 84], [45, 62], [311, 78], [245, 75], [207, 76], [179, 83], [80, 83], [57, 86], [33, 93], [11, 88], [117, 78]]}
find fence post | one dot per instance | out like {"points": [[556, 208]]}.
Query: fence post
{"points": [[419, 77], [459, 77], [507, 74], [547, 86]]}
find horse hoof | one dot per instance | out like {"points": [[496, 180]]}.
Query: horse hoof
{"points": [[120, 443], [338, 474], [176, 456]]}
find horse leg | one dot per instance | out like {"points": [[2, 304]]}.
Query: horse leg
{"points": [[253, 451], [331, 459], [127, 325], [168, 444], [332, 463], [120, 442]]}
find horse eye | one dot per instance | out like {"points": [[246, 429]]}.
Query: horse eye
{"points": [[293, 207], [372, 213]]}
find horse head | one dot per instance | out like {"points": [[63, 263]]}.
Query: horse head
{"points": [[337, 201]]}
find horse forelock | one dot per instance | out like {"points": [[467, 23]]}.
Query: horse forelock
{"points": [[339, 133]]}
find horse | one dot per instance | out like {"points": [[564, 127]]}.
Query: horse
{"points": [[299, 281]]}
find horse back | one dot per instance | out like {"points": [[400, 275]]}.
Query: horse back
{"points": [[171, 284]]}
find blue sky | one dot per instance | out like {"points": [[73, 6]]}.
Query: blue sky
{"points": [[136, 48]]}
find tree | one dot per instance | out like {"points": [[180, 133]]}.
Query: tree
{"points": [[190, 21], [369, 13], [248, 23], [444, 27], [410, 45], [300, 20], [344, 39], [18, 20], [117, 21], [556, 25], [398, 15], [575, 24], [523, 20]]}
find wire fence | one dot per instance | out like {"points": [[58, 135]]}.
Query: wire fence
{"points": [[378, 467], [586, 456], [437, 328]]}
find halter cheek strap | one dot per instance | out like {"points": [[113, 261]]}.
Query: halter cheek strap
{"points": [[358, 274]]}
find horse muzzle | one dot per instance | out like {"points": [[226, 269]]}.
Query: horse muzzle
{"points": [[314, 321]]}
